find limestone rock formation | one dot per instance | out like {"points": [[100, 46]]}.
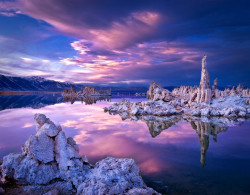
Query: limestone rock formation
{"points": [[50, 163], [117, 182], [196, 101], [156, 92], [230, 106], [204, 83], [156, 108]]}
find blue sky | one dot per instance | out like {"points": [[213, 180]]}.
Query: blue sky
{"points": [[126, 42]]}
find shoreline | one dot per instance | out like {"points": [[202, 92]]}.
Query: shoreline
{"points": [[27, 92]]}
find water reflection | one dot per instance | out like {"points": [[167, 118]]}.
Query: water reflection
{"points": [[33, 101], [204, 127], [170, 158], [88, 100], [38, 101]]}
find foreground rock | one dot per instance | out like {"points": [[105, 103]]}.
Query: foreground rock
{"points": [[195, 101], [50, 163]]}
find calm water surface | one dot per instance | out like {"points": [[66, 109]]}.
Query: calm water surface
{"points": [[177, 160]]}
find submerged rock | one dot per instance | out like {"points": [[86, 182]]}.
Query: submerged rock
{"points": [[50, 164]]}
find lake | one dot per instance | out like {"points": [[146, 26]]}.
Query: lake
{"points": [[175, 155]]}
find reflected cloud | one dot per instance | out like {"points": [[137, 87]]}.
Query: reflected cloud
{"points": [[99, 134], [203, 126]]}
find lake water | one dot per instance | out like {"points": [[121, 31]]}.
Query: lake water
{"points": [[175, 157]]}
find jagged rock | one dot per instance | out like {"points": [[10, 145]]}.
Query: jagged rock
{"points": [[27, 170], [205, 112], [156, 92], [40, 119], [52, 192], [62, 187], [204, 83], [136, 191], [41, 147], [46, 126], [64, 152], [50, 164], [215, 83], [113, 176], [195, 112]]}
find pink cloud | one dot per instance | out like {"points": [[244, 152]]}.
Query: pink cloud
{"points": [[119, 33], [111, 66]]}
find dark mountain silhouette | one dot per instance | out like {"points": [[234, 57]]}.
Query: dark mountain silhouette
{"points": [[35, 83], [8, 83]]}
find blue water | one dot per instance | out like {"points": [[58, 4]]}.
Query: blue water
{"points": [[176, 160]]}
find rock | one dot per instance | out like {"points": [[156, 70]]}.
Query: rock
{"points": [[214, 112], [134, 110], [10, 163], [112, 176], [136, 191], [195, 112], [72, 142], [30, 171], [40, 119], [156, 92], [41, 147], [62, 187], [242, 114], [50, 129], [52, 192], [64, 152], [205, 112], [85, 159], [204, 83], [65, 171]]}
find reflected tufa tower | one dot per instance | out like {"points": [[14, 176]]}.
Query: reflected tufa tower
{"points": [[204, 130]]}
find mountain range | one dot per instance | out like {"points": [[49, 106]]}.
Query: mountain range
{"points": [[35, 83]]}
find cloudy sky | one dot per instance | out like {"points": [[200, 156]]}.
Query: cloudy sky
{"points": [[126, 42]]}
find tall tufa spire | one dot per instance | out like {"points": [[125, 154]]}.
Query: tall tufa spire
{"points": [[204, 83]]}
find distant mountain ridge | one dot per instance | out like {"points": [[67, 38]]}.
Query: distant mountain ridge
{"points": [[35, 83]]}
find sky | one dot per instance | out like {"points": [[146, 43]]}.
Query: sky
{"points": [[126, 42]]}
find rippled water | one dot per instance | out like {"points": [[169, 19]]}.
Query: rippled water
{"points": [[175, 156]]}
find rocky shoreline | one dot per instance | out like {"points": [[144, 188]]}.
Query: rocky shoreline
{"points": [[224, 107], [50, 164], [191, 101]]}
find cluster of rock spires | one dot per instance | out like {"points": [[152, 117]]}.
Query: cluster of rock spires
{"points": [[196, 101], [50, 164], [87, 91]]}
